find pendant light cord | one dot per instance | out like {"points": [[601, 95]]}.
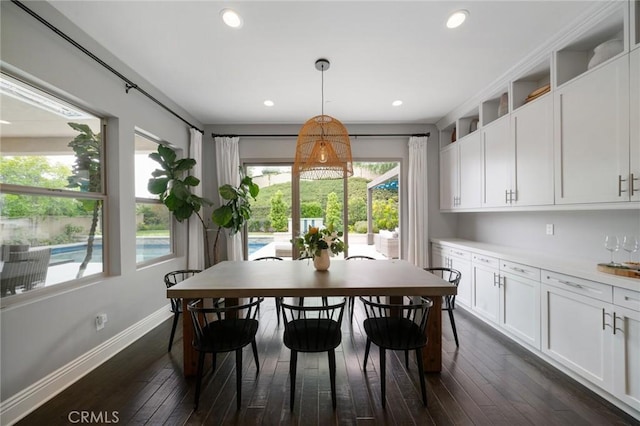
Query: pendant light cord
{"points": [[322, 89]]}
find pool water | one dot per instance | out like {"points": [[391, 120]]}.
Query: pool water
{"points": [[77, 253]]}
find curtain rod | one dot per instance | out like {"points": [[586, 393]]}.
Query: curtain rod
{"points": [[128, 83], [355, 135]]}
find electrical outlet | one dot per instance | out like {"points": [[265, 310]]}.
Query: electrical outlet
{"points": [[549, 228], [101, 320]]}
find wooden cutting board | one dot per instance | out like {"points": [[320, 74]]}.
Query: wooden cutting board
{"points": [[623, 272]]}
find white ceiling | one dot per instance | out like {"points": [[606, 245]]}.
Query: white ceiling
{"points": [[379, 52]]}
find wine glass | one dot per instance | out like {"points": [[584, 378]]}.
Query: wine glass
{"points": [[612, 244], [630, 244]]}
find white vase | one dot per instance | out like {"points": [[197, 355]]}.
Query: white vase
{"points": [[322, 262]]}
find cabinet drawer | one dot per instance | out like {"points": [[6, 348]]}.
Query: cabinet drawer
{"points": [[489, 261], [462, 254], [626, 298], [520, 270], [588, 288]]}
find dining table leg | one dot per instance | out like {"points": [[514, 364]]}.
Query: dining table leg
{"points": [[189, 355], [432, 353]]}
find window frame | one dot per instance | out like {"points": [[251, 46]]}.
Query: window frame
{"points": [[102, 196], [153, 201]]}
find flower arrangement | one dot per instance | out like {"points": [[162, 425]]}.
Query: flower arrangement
{"points": [[315, 240]]}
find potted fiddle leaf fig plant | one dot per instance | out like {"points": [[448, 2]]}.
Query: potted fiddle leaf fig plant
{"points": [[236, 211], [172, 183], [175, 193]]}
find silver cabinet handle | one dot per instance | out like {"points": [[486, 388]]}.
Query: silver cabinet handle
{"points": [[506, 196], [482, 259], [614, 324], [635, 299], [522, 271], [620, 190], [569, 283], [603, 321], [632, 190]]}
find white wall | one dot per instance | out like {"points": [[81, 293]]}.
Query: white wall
{"points": [[41, 335], [577, 233]]}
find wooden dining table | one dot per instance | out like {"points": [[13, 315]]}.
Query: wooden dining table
{"points": [[234, 280]]}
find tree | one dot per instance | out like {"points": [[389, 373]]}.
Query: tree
{"points": [[385, 213], [334, 211], [36, 171], [311, 209], [87, 176], [357, 210], [278, 213]]}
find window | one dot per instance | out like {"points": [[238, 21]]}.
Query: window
{"points": [[51, 190], [153, 219]]}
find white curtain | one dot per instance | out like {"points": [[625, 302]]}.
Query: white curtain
{"points": [[195, 251], [228, 172], [417, 229]]}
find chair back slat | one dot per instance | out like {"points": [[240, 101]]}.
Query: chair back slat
{"points": [[397, 326], [239, 318], [451, 275], [312, 328], [173, 278]]}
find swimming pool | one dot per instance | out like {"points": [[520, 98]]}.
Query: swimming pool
{"points": [[145, 250]]}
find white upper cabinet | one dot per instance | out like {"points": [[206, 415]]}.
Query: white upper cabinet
{"points": [[592, 136], [470, 176], [562, 130], [634, 124], [460, 173], [532, 130], [498, 158], [449, 177]]}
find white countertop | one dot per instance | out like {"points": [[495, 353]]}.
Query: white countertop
{"points": [[576, 267]]}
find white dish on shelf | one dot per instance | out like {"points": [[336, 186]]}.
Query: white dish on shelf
{"points": [[604, 51]]}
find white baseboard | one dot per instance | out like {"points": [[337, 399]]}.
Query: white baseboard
{"points": [[24, 402]]}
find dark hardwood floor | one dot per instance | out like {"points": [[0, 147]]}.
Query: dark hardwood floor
{"points": [[487, 381]]}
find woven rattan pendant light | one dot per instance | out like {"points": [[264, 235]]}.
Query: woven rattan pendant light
{"points": [[323, 150]]}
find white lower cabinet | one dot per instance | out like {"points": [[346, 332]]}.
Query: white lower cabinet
{"points": [[626, 347], [460, 260], [586, 327], [520, 308], [577, 326], [486, 287], [508, 294]]}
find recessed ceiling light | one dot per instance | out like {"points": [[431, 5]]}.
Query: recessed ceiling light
{"points": [[268, 103], [231, 18], [396, 103], [457, 18], [5, 122]]}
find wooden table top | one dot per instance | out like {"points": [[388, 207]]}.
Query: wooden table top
{"points": [[300, 279]]}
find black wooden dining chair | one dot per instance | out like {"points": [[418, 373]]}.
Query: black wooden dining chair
{"points": [[236, 329], [171, 279], [352, 299], [312, 329], [449, 301], [278, 300], [397, 327]]}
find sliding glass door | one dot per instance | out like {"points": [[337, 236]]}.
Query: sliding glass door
{"points": [[364, 207]]}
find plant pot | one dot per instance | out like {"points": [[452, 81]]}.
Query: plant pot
{"points": [[322, 262]]}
